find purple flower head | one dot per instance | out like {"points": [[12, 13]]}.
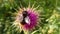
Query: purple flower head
{"points": [[33, 19], [27, 19]]}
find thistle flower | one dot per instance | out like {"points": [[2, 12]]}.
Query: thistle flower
{"points": [[27, 18]]}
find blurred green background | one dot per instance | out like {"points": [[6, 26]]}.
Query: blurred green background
{"points": [[49, 16]]}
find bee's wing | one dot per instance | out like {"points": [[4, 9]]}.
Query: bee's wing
{"points": [[19, 18], [27, 20]]}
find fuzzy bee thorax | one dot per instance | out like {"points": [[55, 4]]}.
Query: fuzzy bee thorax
{"points": [[25, 18]]}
